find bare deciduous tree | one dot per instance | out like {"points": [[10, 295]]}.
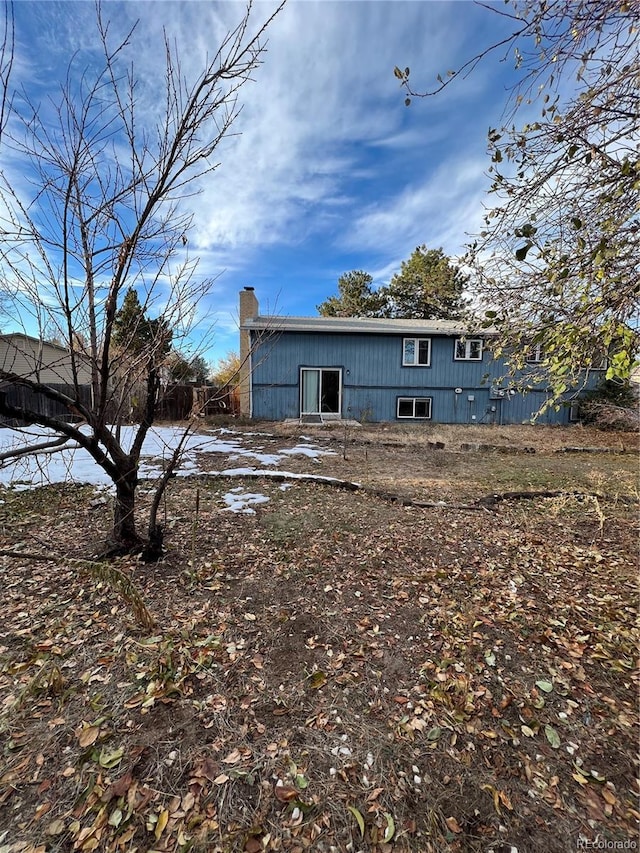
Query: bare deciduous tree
{"points": [[108, 214]]}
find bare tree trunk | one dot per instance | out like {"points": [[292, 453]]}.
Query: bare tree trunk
{"points": [[125, 536]]}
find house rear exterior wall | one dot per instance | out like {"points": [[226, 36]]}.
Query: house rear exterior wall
{"points": [[373, 377]]}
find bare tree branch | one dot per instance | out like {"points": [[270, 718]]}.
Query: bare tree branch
{"points": [[54, 445], [556, 264], [7, 47]]}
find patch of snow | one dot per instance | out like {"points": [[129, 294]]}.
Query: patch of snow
{"points": [[240, 501], [312, 452], [73, 464]]}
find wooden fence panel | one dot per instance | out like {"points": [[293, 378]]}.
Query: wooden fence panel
{"points": [[26, 398], [176, 403]]}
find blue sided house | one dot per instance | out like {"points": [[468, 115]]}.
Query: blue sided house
{"points": [[322, 369]]}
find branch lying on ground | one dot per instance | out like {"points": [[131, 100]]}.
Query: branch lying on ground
{"points": [[104, 572], [488, 502]]}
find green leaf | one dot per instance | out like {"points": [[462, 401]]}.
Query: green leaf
{"points": [[552, 736], [434, 733], [354, 811], [391, 828], [547, 686], [521, 253], [318, 679], [110, 758]]}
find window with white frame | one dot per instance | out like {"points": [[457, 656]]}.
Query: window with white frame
{"points": [[600, 362], [414, 407], [535, 355], [416, 352], [468, 349]]}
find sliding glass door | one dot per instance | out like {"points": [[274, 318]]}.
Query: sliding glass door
{"points": [[320, 390]]}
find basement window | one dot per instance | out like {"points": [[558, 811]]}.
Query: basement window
{"points": [[418, 408], [416, 352]]}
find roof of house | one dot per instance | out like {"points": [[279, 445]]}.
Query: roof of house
{"points": [[361, 325], [13, 336], [29, 357]]}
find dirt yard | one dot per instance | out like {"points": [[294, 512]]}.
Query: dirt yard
{"points": [[442, 660]]}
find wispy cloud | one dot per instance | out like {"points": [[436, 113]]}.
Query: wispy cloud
{"points": [[328, 170], [439, 210]]}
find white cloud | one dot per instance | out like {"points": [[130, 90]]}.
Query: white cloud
{"points": [[325, 88], [324, 95], [439, 210], [328, 159]]}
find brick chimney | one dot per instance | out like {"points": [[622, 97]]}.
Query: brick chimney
{"points": [[249, 310]]}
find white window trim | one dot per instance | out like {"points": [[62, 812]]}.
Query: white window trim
{"points": [[602, 364], [535, 354], [467, 349], [321, 370], [414, 400], [416, 342]]}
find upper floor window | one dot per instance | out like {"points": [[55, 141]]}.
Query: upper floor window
{"points": [[468, 349], [416, 352], [535, 355]]}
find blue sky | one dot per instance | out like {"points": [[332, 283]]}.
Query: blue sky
{"points": [[330, 172]]}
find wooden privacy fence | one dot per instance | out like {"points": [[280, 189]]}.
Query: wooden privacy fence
{"points": [[26, 398], [179, 402], [176, 403]]}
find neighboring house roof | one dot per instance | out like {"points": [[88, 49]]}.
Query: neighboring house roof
{"points": [[351, 325], [40, 361]]}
